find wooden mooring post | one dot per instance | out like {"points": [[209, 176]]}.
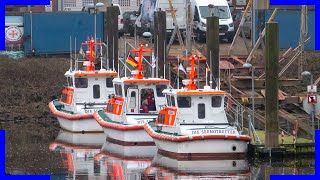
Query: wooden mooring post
{"points": [[213, 50], [160, 42], [112, 36], [271, 98]]}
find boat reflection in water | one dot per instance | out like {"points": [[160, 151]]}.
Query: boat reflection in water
{"points": [[78, 151], [163, 167], [125, 162]]}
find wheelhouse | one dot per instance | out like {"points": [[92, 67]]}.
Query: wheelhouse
{"points": [[141, 96]]}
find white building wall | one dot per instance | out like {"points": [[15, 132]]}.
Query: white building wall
{"points": [[128, 5], [77, 5]]}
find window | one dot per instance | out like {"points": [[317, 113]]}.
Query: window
{"points": [[126, 87], [161, 118], [159, 89], [63, 97], [201, 111], [96, 91], [221, 11], [148, 95], [168, 100], [173, 102], [138, 2], [81, 82], [184, 102], [132, 103], [196, 14], [124, 2], [118, 89], [216, 101], [69, 80], [109, 83], [70, 3]]}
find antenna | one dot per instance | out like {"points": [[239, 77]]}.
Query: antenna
{"points": [[70, 54], [178, 73], [113, 54], [101, 58], [75, 47]]}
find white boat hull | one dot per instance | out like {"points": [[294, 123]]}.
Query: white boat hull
{"points": [[129, 151], [130, 132], [130, 137], [202, 148], [80, 125]]}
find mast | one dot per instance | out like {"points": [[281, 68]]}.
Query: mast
{"points": [[192, 59], [140, 51], [91, 44]]}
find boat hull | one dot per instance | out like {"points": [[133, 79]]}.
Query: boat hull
{"points": [[208, 146], [128, 138], [75, 122], [80, 125], [202, 149], [127, 135]]}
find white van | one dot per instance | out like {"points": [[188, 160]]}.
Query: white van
{"points": [[204, 8], [120, 21], [145, 15]]}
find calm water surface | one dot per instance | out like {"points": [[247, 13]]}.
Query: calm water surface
{"points": [[41, 149]]}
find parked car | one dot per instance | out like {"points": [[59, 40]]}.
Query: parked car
{"points": [[129, 19]]}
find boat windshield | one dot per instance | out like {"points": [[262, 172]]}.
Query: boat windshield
{"points": [[81, 82], [220, 11], [184, 102], [216, 101], [118, 89]]}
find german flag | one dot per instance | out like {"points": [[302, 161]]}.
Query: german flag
{"points": [[130, 60]]}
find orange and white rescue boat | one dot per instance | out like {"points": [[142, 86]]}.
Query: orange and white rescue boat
{"points": [[87, 91], [194, 124], [137, 100]]}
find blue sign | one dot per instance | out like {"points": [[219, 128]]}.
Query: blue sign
{"points": [[315, 3], [3, 3]]}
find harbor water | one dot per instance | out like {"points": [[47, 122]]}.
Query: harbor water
{"points": [[45, 149]]}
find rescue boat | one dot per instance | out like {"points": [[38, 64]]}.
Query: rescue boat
{"points": [[86, 92], [194, 124], [163, 167], [137, 100]]}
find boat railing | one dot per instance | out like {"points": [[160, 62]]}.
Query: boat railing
{"points": [[237, 112]]}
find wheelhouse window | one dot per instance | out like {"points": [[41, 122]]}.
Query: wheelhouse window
{"points": [[173, 101], [69, 80], [132, 103], [216, 101], [81, 82], [159, 89], [168, 100], [201, 111], [147, 98], [96, 91], [109, 83], [184, 102], [118, 89]]}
